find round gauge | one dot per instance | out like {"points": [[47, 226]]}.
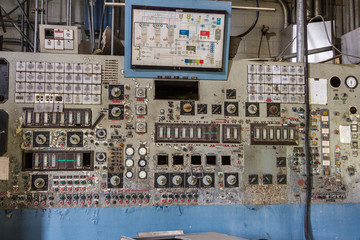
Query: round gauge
{"points": [[129, 163], [142, 151], [142, 162], [351, 82], [142, 174], [115, 180], [129, 174], [129, 151]]}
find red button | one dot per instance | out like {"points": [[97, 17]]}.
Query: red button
{"points": [[76, 189], [82, 202], [182, 200], [163, 200], [69, 188], [61, 202], [103, 186], [189, 200], [133, 201], [146, 201], [107, 202], [68, 202], [140, 201], [120, 201], [36, 203], [89, 202], [195, 200], [83, 189], [126, 201], [62, 189], [175, 200], [169, 200], [29, 203], [201, 61], [42, 203], [75, 202]]}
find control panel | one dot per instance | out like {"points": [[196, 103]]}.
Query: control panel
{"points": [[74, 132]]}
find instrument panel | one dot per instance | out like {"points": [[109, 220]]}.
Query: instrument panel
{"points": [[94, 138]]}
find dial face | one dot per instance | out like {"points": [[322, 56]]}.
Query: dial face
{"points": [[129, 162], [142, 151], [142, 163], [129, 151], [351, 82], [129, 174], [142, 174]]}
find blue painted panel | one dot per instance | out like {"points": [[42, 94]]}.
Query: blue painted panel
{"points": [[199, 4], [329, 221]]}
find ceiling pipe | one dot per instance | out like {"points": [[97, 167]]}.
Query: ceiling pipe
{"points": [[286, 11]]}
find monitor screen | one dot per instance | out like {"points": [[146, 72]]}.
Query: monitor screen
{"points": [[166, 38]]}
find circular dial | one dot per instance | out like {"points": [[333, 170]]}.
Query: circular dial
{"points": [[40, 139], [142, 174], [192, 180], [207, 180], [142, 151], [161, 180], [130, 151], [129, 174], [39, 183], [115, 180], [116, 112], [177, 180], [129, 162], [75, 139], [231, 180], [142, 162], [351, 82], [116, 92], [231, 108]]}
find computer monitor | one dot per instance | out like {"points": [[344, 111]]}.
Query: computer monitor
{"points": [[177, 41]]}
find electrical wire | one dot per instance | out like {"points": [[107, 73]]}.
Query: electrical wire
{"points": [[327, 36], [254, 23], [261, 38], [307, 227]]}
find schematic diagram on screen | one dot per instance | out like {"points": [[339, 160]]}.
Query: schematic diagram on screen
{"points": [[179, 39]]}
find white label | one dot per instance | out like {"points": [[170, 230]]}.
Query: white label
{"points": [[318, 91]]}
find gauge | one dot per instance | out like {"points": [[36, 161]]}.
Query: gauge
{"points": [[142, 162], [129, 163], [142, 151], [142, 174], [129, 151], [129, 174], [351, 82]]}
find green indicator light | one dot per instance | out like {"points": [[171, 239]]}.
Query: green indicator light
{"points": [[210, 133]]}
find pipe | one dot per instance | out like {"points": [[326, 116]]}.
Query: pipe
{"points": [[286, 11], [16, 27], [309, 8], [300, 26], [89, 21], [101, 25], [36, 24], [318, 8], [346, 16], [112, 28], [22, 29], [357, 14], [42, 12], [67, 13], [233, 7], [351, 14], [92, 26], [70, 12], [46, 12], [23, 13]]}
